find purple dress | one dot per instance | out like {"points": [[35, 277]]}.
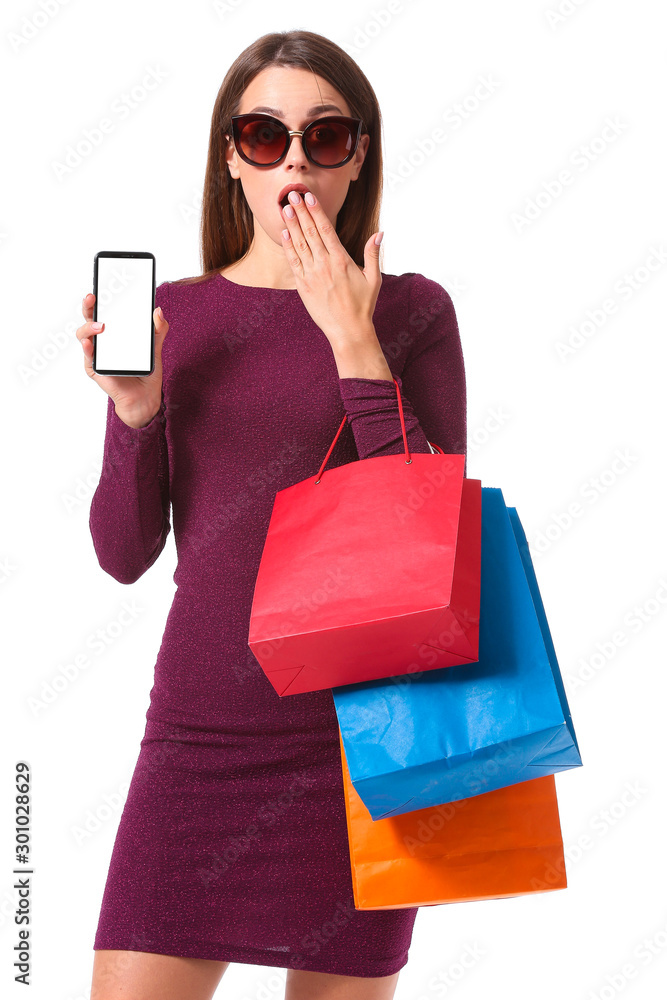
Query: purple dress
{"points": [[232, 844]]}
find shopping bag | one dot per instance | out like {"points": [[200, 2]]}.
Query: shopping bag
{"points": [[502, 843], [369, 570], [433, 737]]}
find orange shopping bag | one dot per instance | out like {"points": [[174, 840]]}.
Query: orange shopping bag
{"points": [[507, 842]]}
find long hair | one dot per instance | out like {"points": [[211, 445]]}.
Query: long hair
{"points": [[227, 227]]}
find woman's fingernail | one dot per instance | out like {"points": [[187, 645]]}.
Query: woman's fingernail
{"points": [[378, 239], [309, 199], [96, 326]]}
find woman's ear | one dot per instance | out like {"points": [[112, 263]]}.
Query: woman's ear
{"points": [[360, 155], [231, 158]]}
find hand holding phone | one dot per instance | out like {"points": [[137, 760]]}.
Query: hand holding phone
{"points": [[136, 398]]}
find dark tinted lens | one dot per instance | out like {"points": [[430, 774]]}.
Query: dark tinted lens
{"points": [[329, 143], [262, 141]]}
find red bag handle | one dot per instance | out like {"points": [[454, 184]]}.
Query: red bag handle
{"points": [[408, 460]]}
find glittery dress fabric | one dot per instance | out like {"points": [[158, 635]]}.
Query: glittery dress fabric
{"points": [[232, 844]]}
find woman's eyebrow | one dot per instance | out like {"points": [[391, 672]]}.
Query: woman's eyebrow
{"points": [[311, 111]]}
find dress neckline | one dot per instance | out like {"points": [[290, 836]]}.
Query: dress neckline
{"points": [[255, 288], [264, 288]]}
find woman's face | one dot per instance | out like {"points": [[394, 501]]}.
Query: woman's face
{"points": [[297, 96]]}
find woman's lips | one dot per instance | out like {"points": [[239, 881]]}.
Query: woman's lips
{"points": [[284, 200]]}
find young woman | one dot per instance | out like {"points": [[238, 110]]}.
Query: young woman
{"points": [[232, 846]]}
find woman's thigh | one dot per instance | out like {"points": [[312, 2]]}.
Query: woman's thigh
{"points": [[304, 985], [143, 975]]}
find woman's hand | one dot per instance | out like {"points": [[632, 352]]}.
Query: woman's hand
{"points": [[136, 398], [339, 295]]}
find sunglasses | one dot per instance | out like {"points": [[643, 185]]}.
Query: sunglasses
{"points": [[263, 140]]}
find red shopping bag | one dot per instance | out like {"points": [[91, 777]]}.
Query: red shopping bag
{"points": [[369, 570]]}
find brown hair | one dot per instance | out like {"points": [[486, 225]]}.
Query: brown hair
{"points": [[227, 223]]}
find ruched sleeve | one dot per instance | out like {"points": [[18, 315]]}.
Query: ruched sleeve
{"points": [[130, 510]]}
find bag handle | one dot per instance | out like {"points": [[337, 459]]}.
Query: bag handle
{"points": [[408, 460]]}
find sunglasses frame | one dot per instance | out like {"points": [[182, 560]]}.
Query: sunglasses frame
{"points": [[354, 124]]}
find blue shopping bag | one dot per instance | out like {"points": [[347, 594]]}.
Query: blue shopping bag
{"points": [[430, 737]]}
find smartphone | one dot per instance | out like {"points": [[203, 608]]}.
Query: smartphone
{"points": [[124, 290]]}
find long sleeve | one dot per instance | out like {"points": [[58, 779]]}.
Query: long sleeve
{"points": [[130, 510], [432, 385]]}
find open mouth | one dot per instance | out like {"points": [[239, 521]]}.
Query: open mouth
{"points": [[285, 201]]}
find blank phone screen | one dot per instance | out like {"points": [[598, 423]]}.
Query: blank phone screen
{"points": [[125, 306]]}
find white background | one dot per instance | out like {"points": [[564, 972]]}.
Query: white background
{"points": [[519, 291]]}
